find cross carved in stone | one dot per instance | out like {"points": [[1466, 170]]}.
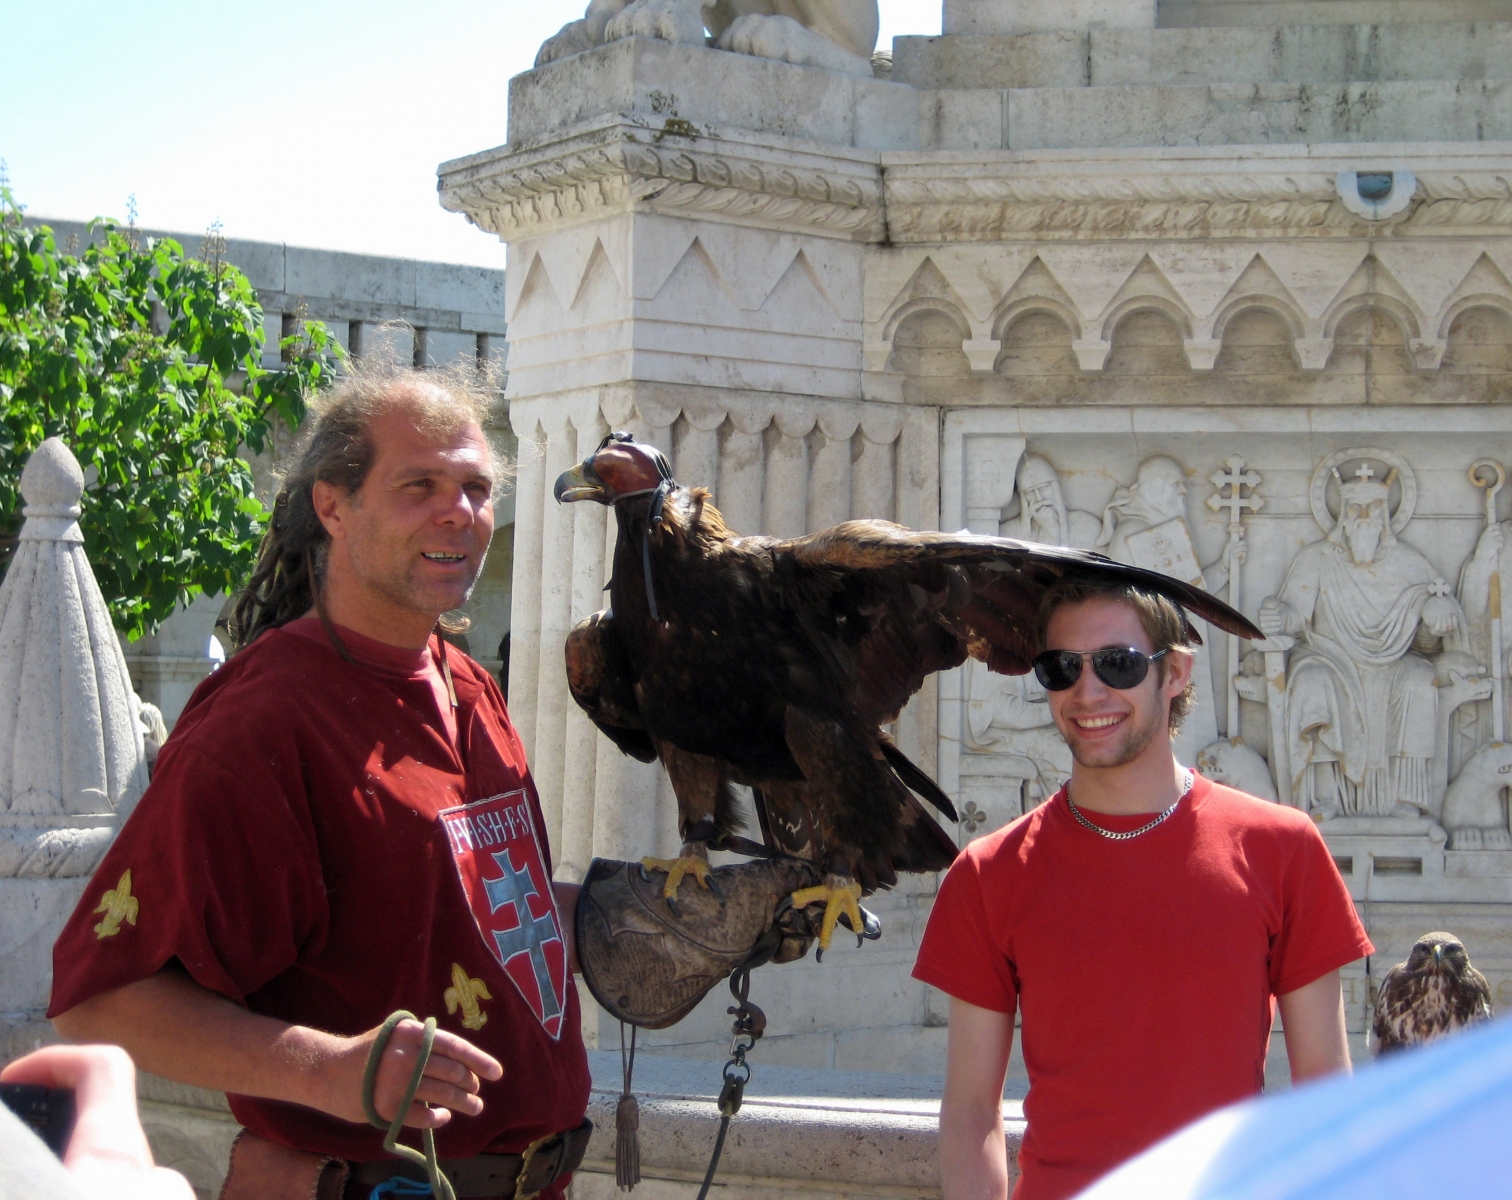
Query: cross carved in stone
{"points": [[1438, 588], [1363, 471], [1235, 479]]}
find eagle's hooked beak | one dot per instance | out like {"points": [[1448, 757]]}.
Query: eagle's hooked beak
{"points": [[1438, 955], [580, 483]]}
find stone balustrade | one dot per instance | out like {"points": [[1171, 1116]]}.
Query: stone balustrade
{"points": [[865, 1135]]}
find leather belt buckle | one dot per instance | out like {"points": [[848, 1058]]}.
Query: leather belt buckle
{"points": [[527, 1156]]}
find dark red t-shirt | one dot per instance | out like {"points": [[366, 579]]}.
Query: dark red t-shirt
{"points": [[315, 847], [1145, 969]]}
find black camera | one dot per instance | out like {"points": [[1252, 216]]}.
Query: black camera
{"points": [[48, 1112]]}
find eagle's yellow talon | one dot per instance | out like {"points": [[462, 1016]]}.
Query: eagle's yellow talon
{"points": [[843, 896], [676, 868]]}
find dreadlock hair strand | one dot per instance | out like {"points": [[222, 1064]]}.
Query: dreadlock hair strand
{"points": [[336, 448]]}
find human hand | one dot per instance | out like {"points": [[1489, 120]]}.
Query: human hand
{"points": [[1441, 616], [1272, 616], [1491, 543], [452, 1077], [108, 1153]]}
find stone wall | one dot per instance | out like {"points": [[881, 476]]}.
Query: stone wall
{"points": [[1191, 282]]}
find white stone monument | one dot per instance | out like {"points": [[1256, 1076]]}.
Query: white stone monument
{"points": [[1221, 286], [71, 760]]}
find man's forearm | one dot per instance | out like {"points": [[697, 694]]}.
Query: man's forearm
{"points": [[173, 1027], [973, 1154]]}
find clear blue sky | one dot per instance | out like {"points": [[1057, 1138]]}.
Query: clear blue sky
{"points": [[318, 124]]}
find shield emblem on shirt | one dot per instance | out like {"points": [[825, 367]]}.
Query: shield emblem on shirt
{"points": [[499, 859]]}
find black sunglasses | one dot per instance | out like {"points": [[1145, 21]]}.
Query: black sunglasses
{"points": [[1120, 667]]}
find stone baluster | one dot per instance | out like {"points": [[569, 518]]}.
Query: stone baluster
{"points": [[525, 589], [829, 493], [590, 523], [695, 451], [554, 583], [742, 469], [71, 755], [874, 475], [917, 505], [784, 506]]}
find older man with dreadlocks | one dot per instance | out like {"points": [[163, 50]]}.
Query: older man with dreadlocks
{"points": [[341, 826]]}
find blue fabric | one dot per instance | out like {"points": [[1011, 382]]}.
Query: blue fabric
{"points": [[1427, 1122], [400, 1185]]}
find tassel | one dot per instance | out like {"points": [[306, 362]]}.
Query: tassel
{"points": [[627, 1170], [627, 1143]]}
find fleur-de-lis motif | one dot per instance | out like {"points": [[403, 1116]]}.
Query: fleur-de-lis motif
{"points": [[465, 993], [118, 905], [972, 817]]}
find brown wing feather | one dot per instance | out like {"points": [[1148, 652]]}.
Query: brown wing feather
{"points": [[598, 679], [935, 598]]}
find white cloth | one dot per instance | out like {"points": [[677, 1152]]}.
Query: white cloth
{"points": [[28, 1169]]}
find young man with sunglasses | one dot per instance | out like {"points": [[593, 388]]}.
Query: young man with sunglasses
{"points": [[1143, 922]]}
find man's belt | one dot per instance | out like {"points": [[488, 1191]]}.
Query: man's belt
{"points": [[509, 1176]]}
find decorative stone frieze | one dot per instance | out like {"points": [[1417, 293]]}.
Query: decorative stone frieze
{"points": [[659, 164]]}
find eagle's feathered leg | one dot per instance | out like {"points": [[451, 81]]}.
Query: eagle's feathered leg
{"points": [[706, 812], [842, 767]]}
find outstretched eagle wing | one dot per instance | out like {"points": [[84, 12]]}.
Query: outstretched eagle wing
{"points": [[913, 603]]}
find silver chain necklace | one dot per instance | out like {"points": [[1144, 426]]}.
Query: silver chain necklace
{"points": [[1191, 778]]}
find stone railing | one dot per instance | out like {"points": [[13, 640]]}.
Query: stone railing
{"points": [[857, 1134]]}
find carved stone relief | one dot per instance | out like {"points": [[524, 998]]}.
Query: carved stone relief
{"points": [[1378, 702]]}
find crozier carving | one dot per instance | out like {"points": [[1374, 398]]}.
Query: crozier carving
{"points": [[834, 35], [1370, 615]]}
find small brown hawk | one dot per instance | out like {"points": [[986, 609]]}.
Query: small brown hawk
{"points": [[1436, 991]]}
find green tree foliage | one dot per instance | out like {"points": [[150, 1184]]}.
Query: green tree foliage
{"points": [[148, 364]]}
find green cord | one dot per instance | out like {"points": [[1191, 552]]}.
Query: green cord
{"points": [[441, 1187]]}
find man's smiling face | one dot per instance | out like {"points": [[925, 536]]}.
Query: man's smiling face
{"points": [[1104, 726], [407, 546]]}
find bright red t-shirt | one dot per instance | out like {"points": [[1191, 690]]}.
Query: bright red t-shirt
{"points": [[315, 846], [1145, 969]]}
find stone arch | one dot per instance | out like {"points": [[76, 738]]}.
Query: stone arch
{"points": [[1036, 339], [1400, 314], [1005, 318], [1477, 332], [1370, 340], [1135, 305], [1277, 306], [1147, 339], [926, 340], [1257, 340], [934, 304], [1464, 304]]}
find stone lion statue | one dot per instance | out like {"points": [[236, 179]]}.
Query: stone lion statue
{"points": [[835, 35]]}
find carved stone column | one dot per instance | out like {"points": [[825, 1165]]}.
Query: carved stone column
{"points": [[71, 759]]}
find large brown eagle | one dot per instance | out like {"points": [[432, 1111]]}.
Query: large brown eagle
{"points": [[775, 664], [1435, 992]]}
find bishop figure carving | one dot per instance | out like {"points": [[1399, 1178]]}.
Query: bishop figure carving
{"points": [[1361, 703]]}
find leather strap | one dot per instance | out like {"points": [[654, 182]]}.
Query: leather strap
{"points": [[264, 1170], [494, 1176]]}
